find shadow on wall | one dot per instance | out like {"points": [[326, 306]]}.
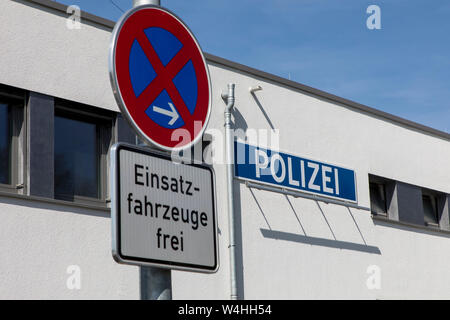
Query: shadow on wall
{"points": [[240, 123], [263, 110], [239, 120], [304, 238]]}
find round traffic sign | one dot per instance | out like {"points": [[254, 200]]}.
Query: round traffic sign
{"points": [[160, 78]]}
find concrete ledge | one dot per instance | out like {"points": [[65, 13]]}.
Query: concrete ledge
{"points": [[102, 206], [410, 225]]}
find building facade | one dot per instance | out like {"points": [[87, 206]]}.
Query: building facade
{"points": [[59, 118]]}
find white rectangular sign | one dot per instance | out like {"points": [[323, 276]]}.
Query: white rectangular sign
{"points": [[163, 212]]}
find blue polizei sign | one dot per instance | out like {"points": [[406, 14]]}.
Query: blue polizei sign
{"points": [[284, 170]]}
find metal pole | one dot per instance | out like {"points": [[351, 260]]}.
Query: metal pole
{"points": [[155, 283], [141, 2], [229, 97]]}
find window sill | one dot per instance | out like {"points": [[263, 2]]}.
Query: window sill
{"points": [[81, 200], [97, 206], [378, 214], [10, 189], [431, 227]]}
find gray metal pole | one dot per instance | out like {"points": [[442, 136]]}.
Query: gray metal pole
{"points": [[141, 2], [155, 283], [229, 97]]}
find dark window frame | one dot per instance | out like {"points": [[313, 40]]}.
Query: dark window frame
{"points": [[16, 100], [7, 129], [396, 205], [103, 119], [435, 197], [384, 182]]}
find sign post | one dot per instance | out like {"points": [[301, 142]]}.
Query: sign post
{"points": [[161, 84]]}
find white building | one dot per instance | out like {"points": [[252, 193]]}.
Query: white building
{"points": [[59, 117]]}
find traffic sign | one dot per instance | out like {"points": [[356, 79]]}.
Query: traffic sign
{"points": [[160, 78], [288, 171], [163, 213]]}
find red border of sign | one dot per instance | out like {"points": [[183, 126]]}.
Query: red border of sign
{"points": [[129, 28]]}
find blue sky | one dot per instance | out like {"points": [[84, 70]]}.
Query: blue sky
{"points": [[403, 68]]}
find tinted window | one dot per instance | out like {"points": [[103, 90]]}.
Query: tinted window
{"points": [[5, 144], [76, 158], [377, 198], [430, 209]]}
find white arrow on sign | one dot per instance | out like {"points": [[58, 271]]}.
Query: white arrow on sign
{"points": [[171, 113]]}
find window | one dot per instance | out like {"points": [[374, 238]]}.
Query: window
{"points": [[378, 203], [76, 158], [5, 143], [408, 203], [430, 208], [81, 145], [12, 103]]}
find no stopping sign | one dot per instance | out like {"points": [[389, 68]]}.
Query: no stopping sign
{"points": [[160, 78]]}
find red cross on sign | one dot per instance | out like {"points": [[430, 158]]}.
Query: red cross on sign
{"points": [[160, 78]]}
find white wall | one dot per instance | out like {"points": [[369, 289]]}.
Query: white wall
{"points": [[413, 262], [45, 56], [39, 241]]}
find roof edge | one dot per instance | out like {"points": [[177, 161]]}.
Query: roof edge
{"points": [[265, 75], [328, 96]]}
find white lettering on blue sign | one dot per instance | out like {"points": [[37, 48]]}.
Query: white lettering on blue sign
{"points": [[288, 171]]}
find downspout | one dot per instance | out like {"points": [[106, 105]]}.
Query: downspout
{"points": [[229, 147]]}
